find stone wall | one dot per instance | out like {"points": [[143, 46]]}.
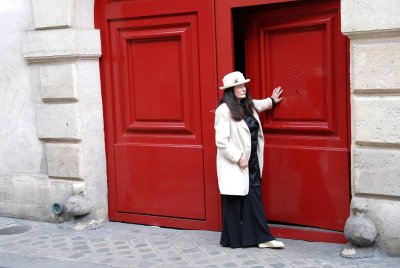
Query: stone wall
{"points": [[373, 27], [52, 109]]}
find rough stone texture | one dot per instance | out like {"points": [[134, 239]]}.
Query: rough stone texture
{"points": [[376, 120], [53, 13], [369, 176], [359, 205], [350, 251], [58, 82], [61, 43], [375, 65], [65, 160], [385, 214], [360, 230], [93, 137], [61, 121], [370, 15], [78, 205], [31, 196]]}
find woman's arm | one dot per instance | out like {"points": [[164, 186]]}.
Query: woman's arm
{"points": [[268, 103], [262, 105], [223, 134]]}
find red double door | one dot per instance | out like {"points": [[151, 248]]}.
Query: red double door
{"points": [[160, 75]]}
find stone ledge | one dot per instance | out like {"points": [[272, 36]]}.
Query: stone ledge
{"points": [[369, 15], [371, 35], [61, 43]]}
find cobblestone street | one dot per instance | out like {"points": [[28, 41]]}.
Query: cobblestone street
{"points": [[36, 244]]}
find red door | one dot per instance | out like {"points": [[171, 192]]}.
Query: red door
{"points": [[158, 91], [299, 46]]}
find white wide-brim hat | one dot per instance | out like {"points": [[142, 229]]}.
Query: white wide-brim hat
{"points": [[233, 79]]}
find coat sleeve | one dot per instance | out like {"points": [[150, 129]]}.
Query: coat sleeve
{"points": [[223, 134], [262, 105]]}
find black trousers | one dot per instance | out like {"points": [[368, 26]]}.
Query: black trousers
{"points": [[244, 221]]}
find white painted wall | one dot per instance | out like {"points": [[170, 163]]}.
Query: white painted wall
{"points": [[20, 149]]}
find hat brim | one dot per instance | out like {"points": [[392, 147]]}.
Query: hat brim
{"points": [[235, 84]]}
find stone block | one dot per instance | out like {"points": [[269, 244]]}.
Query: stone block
{"points": [[52, 13], [31, 196], [369, 15], [385, 214], [58, 81], [376, 171], [61, 43], [360, 231], [61, 121], [375, 65], [84, 14], [88, 80], [78, 205], [65, 160], [376, 119]]}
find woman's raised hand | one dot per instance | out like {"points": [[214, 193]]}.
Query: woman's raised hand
{"points": [[276, 94]]}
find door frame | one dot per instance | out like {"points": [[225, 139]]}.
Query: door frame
{"points": [[225, 63]]}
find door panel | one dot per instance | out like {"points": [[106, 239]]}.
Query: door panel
{"points": [[300, 47], [304, 186], [159, 88], [160, 189], [158, 79]]}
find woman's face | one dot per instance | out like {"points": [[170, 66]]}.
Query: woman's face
{"points": [[240, 91]]}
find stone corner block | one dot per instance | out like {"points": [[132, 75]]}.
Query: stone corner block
{"points": [[376, 171], [61, 43], [65, 160], [53, 13], [375, 65], [61, 122], [58, 82], [386, 216], [376, 119], [363, 16]]}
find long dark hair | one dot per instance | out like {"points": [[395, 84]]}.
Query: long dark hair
{"points": [[238, 110]]}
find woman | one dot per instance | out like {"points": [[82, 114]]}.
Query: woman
{"points": [[240, 146]]}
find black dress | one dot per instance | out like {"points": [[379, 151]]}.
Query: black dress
{"points": [[243, 218]]}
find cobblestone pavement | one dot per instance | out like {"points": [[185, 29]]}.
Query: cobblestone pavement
{"points": [[36, 244]]}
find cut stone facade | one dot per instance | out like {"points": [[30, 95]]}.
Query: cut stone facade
{"points": [[373, 27], [58, 82], [58, 51]]}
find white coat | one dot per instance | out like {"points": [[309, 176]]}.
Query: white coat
{"points": [[233, 139]]}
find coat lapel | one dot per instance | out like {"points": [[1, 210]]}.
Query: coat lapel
{"points": [[243, 124]]}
